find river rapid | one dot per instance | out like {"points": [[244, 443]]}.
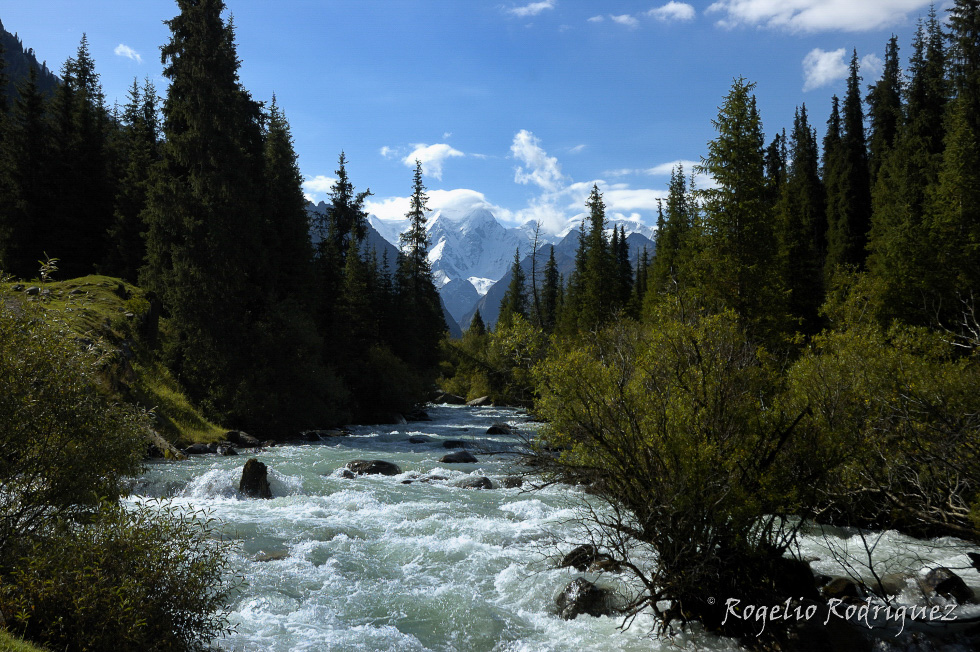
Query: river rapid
{"points": [[412, 562]]}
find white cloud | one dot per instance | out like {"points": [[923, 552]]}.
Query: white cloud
{"points": [[128, 52], [446, 135], [432, 157], [665, 169], [387, 152], [316, 187], [541, 169], [625, 19], [532, 9], [576, 149], [816, 15], [597, 19], [673, 11], [821, 68], [871, 66]]}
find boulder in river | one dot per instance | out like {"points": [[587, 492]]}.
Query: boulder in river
{"points": [[448, 399], [511, 482], [944, 582], [843, 588], [242, 439], [500, 429], [454, 443], [417, 415], [474, 482], [459, 457], [581, 557], [200, 449], [583, 597], [483, 400], [255, 480], [418, 440], [373, 467]]}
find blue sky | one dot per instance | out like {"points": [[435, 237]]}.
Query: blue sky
{"points": [[517, 106]]}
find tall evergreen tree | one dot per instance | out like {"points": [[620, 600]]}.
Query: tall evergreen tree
{"points": [[592, 289], [345, 218], [27, 210], [420, 311], [803, 224], [515, 300], [885, 110], [204, 222], [550, 290], [737, 267], [127, 246], [672, 238], [901, 255], [849, 190]]}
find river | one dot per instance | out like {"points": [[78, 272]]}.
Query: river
{"points": [[412, 562]]}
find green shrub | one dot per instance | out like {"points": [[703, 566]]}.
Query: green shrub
{"points": [[141, 579]]}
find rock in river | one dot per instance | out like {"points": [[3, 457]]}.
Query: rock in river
{"points": [[459, 457], [373, 467], [255, 480]]}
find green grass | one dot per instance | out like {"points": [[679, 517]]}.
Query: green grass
{"points": [[10, 643], [104, 313]]}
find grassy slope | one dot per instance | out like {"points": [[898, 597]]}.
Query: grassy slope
{"points": [[105, 313], [10, 643]]}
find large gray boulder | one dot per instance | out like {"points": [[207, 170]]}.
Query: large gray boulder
{"points": [[373, 467], [944, 582], [459, 457], [583, 597], [255, 480], [474, 482]]}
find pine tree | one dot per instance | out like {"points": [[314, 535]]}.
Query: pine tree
{"points": [[885, 110], [345, 218], [737, 267], [673, 232], [624, 270], [550, 293], [28, 207], [803, 225], [83, 209], [204, 225], [420, 310], [127, 246], [286, 232], [849, 191], [477, 326], [901, 253], [515, 300]]}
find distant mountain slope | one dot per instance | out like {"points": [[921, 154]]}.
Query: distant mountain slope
{"points": [[489, 305], [18, 64]]}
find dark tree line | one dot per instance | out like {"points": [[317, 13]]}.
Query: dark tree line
{"points": [[199, 199]]}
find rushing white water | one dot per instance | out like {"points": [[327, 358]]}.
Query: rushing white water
{"points": [[412, 562]]}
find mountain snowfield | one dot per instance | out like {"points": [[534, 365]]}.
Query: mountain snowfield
{"points": [[470, 250]]}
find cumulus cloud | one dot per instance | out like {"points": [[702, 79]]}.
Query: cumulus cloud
{"points": [[673, 11], [625, 19], [387, 152], [432, 157], [538, 168], [821, 68], [532, 9], [316, 187], [596, 19], [871, 66], [816, 15], [128, 52]]}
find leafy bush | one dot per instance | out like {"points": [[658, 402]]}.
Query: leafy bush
{"points": [[65, 443], [141, 579], [679, 429]]}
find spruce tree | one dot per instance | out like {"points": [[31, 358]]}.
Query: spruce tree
{"points": [[593, 290], [204, 224], [803, 225], [885, 110], [550, 292], [127, 246], [672, 240], [345, 218], [27, 210], [737, 265], [477, 326], [420, 311], [849, 191], [515, 300]]}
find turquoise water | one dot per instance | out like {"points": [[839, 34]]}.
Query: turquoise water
{"points": [[372, 563]]}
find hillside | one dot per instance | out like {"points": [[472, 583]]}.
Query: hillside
{"points": [[121, 325], [18, 64]]}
